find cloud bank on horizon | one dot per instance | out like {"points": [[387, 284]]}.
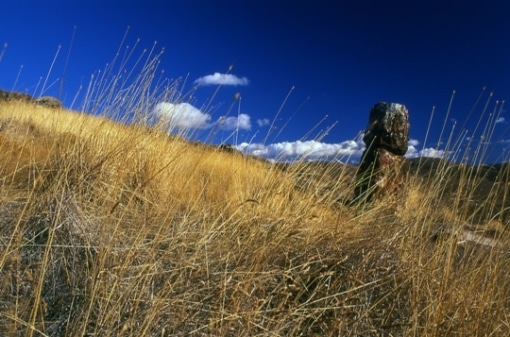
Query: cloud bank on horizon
{"points": [[222, 79], [181, 117], [349, 151]]}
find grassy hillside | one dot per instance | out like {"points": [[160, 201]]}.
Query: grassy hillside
{"points": [[115, 230]]}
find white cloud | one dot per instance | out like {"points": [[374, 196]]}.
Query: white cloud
{"points": [[428, 153], [241, 122], [263, 122], [434, 153], [182, 115], [413, 152], [223, 79], [413, 142], [186, 116], [500, 120], [349, 150]]}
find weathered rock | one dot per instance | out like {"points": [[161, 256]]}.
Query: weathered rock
{"points": [[14, 96], [388, 128], [49, 102], [386, 138]]}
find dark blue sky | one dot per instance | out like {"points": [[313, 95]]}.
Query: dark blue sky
{"points": [[343, 55]]}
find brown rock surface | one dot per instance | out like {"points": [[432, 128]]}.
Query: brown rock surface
{"points": [[386, 137], [46, 101]]}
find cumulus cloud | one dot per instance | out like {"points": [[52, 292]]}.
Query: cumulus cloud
{"points": [[500, 120], [349, 150], [428, 153], [263, 122], [413, 152], [223, 79], [241, 122], [182, 115], [413, 143], [186, 116]]}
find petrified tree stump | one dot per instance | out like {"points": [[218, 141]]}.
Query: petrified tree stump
{"points": [[386, 138]]}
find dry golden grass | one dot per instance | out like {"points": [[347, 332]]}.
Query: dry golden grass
{"points": [[115, 230]]}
